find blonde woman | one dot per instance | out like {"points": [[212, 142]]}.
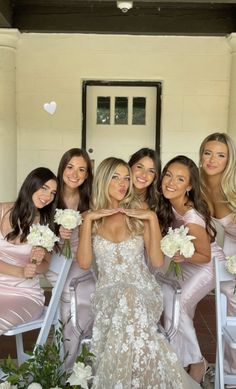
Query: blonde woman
{"points": [[128, 301], [218, 185]]}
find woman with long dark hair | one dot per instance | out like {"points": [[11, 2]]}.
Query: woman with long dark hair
{"points": [[181, 204], [146, 169], [21, 298], [75, 184]]}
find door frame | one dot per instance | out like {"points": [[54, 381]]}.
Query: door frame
{"points": [[155, 84]]}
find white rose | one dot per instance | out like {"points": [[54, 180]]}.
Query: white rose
{"points": [[7, 385], [68, 218], [41, 235], [187, 249], [35, 385], [80, 375], [178, 240]]}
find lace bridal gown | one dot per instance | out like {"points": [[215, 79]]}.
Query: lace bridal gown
{"points": [[129, 351]]}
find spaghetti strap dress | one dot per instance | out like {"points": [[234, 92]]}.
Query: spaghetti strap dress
{"points": [[128, 302]]}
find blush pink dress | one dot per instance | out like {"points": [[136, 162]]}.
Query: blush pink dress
{"points": [[198, 281], [229, 225], [21, 299], [85, 316]]}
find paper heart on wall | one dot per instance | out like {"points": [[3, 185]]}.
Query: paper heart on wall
{"points": [[50, 107]]}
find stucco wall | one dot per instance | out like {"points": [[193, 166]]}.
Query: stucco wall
{"points": [[194, 71]]}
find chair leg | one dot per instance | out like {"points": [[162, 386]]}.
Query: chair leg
{"points": [[216, 385], [21, 355]]}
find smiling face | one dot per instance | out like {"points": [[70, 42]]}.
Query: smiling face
{"points": [[75, 172], [176, 182], [45, 195], [214, 158], [119, 185], [143, 173]]}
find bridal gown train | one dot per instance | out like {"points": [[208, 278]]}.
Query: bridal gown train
{"points": [[129, 352]]}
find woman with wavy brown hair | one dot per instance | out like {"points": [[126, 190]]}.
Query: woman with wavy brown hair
{"points": [[146, 170], [181, 204]]}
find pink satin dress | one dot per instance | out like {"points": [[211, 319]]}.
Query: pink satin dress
{"points": [[85, 316], [198, 280], [21, 299], [229, 225]]}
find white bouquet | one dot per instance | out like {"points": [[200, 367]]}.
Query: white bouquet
{"points": [[81, 374], [177, 241], [69, 219], [230, 265], [41, 235]]}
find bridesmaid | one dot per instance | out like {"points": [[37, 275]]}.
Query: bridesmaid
{"points": [[75, 182], [21, 298], [146, 170], [181, 204], [218, 184]]}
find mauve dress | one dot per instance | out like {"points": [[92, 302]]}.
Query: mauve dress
{"points": [[229, 224], [198, 281], [83, 294], [21, 299]]}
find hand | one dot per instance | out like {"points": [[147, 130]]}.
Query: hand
{"points": [[100, 213], [65, 233], [178, 258], [143, 214], [37, 255], [30, 270]]}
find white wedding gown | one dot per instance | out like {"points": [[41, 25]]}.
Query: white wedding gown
{"points": [[129, 351]]}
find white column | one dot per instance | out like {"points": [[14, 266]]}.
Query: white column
{"points": [[8, 134], [232, 94]]}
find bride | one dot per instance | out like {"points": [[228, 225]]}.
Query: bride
{"points": [[127, 303]]}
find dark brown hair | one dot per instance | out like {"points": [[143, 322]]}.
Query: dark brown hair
{"points": [[84, 189], [23, 212], [165, 213], [152, 195]]}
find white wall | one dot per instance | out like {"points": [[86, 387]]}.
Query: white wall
{"points": [[194, 71]]}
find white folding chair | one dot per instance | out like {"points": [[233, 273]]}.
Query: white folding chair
{"points": [[225, 327], [174, 284], [51, 313]]}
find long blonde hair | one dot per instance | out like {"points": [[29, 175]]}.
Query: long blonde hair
{"points": [[228, 180], [100, 193]]}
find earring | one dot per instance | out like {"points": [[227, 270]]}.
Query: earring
{"points": [[187, 193]]}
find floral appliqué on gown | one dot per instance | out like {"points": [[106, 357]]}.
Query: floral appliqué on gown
{"points": [[129, 351]]}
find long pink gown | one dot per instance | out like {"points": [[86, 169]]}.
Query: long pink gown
{"points": [[21, 299], [85, 316], [198, 281], [229, 248]]}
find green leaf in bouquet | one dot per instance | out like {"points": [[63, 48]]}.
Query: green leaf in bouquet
{"points": [[176, 268]]}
